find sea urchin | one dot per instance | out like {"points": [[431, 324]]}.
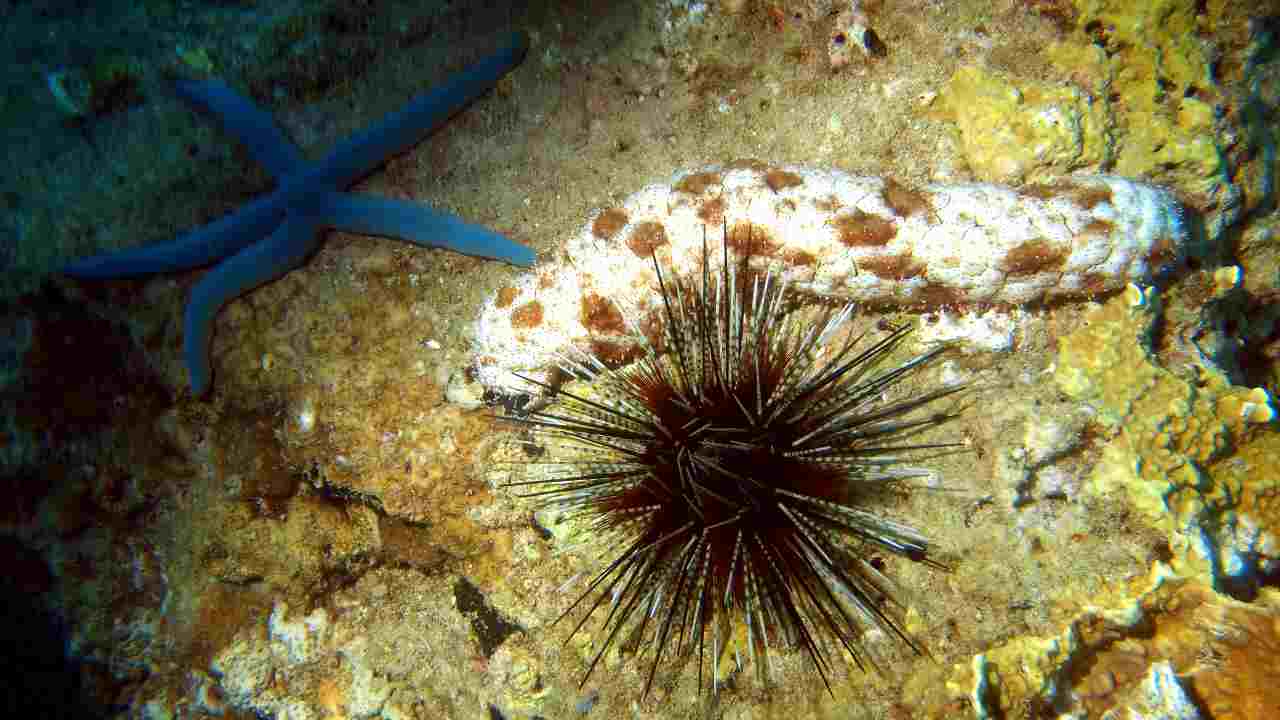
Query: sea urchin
{"points": [[731, 476]]}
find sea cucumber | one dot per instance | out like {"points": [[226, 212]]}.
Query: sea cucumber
{"points": [[867, 240]]}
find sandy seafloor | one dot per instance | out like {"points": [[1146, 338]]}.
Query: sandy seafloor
{"points": [[322, 536]]}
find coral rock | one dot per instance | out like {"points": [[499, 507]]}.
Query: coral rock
{"points": [[1149, 656], [1190, 455]]}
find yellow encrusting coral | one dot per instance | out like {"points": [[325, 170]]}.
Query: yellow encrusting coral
{"points": [[1187, 453], [1014, 129], [1134, 97], [1209, 650], [1149, 54]]}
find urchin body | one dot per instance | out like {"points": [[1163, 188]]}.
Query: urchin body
{"points": [[733, 473]]}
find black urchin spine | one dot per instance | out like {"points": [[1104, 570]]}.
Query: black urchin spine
{"points": [[735, 471]]}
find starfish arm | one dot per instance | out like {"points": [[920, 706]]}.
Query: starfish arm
{"points": [[240, 117], [193, 249], [285, 249], [364, 151], [421, 225]]}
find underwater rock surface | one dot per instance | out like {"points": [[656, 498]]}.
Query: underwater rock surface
{"points": [[322, 536]]}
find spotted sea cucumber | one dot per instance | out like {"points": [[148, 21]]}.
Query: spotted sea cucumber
{"points": [[868, 240]]}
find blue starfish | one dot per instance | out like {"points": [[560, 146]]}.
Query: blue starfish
{"points": [[277, 232]]}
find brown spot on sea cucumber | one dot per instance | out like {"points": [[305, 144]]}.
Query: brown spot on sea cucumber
{"points": [[527, 316], [1099, 227], [506, 296], [646, 238], [828, 204], [546, 281], [1040, 191], [711, 211], [750, 239], [1094, 283], [651, 326], [861, 229], [1034, 256], [779, 180], [903, 200], [799, 258], [614, 355], [1085, 196], [1090, 197], [609, 223], [936, 295], [599, 314], [893, 267], [697, 183]]}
